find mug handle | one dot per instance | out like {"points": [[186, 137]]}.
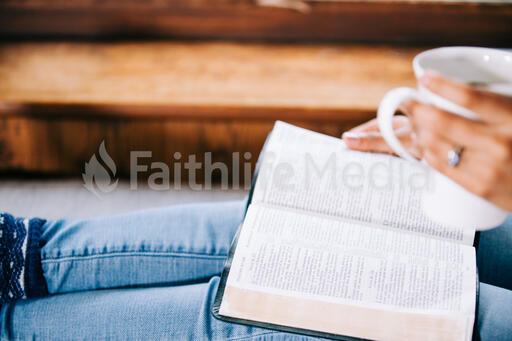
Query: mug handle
{"points": [[385, 113]]}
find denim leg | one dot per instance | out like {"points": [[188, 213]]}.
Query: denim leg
{"points": [[161, 313], [176, 313], [495, 313], [494, 259], [162, 246], [494, 255]]}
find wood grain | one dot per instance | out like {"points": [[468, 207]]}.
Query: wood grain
{"points": [[58, 101], [202, 79], [382, 21], [62, 146]]}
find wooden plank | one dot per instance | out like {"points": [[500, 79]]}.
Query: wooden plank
{"points": [[61, 147], [383, 21], [202, 80]]}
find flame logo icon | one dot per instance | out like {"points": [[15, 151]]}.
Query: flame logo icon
{"points": [[96, 176]]}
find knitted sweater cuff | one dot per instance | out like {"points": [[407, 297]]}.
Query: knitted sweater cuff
{"points": [[35, 284], [21, 273]]}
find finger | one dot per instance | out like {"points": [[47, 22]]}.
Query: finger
{"points": [[366, 142], [464, 179], [462, 131], [372, 125], [469, 172], [407, 107], [374, 142], [490, 107]]}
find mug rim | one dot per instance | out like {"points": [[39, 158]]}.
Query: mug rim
{"points": [[419, 70]]}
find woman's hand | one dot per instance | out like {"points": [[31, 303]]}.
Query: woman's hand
{"points": [[485, 166]]}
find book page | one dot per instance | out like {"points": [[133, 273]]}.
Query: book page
{"points": [[312, 172], [317, 264]]}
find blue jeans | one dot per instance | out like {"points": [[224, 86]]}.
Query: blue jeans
{"points": [[159, 270]]}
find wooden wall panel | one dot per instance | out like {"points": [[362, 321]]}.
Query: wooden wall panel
{"points": [[205, 80], [382, 21], [62, 146]]}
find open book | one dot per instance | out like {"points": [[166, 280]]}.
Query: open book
{"points": [[334, 243]]}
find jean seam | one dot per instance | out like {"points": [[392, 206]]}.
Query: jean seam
{"points": [[248, 337], [131, 254]]}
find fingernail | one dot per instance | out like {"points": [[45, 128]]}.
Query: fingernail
{"points": [[353, 139]]}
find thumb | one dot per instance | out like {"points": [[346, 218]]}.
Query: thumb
{"points": [[366, 142], [375, 143]]}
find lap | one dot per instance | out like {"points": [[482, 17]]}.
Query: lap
{"points": [[161, 246], [177, 313], [494, 313], [158, 313], [182, 312], [494, 255]]}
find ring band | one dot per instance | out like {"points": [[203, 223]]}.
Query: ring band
{"points": [[454, 156]]}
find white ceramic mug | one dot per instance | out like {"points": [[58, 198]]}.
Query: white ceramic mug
{"points": [[447, 202]]}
